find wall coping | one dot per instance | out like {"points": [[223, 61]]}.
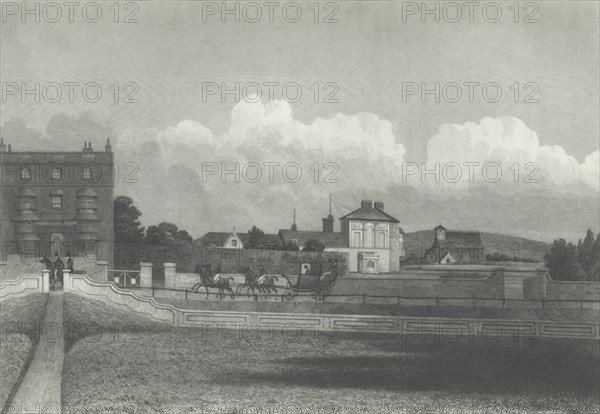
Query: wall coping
{"points": [[567, 282], [146, 264]]}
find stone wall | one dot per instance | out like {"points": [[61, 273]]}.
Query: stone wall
{"points": [[415, 285], [186, 257], [149, 308], [25, 285], [572, 290]]}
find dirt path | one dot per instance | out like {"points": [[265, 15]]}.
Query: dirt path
{"points": [[40, 390]]}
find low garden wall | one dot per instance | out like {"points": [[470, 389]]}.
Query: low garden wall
{"points": [[25, 285], [572, 290], [414, 285], [125, 299]]}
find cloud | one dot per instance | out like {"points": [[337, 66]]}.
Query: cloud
{"points": [[524, 163], [366, 159], [308, 162]]}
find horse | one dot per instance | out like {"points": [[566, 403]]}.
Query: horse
{"points": [[249, 281], [50, 267], [207, 281], [266, 284]]}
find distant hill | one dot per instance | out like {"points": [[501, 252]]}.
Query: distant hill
{"points": [[511, 246]]}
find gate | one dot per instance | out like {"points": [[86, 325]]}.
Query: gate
{"points": [[125, 278]]}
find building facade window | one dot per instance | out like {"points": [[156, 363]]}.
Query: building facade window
{"points": [[56, 202], [369, 236], [56, 174], [87, 173], [233, 243], [356, 239], [25, 174]]}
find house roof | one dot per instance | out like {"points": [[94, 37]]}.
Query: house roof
{"points": [[459, 239], [215, 237], [369, 213], [219, 238], [328, 239]]}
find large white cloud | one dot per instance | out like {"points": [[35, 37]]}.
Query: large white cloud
{"points": [[508, 142]]}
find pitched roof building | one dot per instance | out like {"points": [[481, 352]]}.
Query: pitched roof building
{"points": [[455, 247], [235, 240]]}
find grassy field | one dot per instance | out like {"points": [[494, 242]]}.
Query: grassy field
{"points": [[142, 366], [16, 349]]}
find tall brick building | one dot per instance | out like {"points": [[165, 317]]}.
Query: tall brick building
{"points": [[57, 202]]}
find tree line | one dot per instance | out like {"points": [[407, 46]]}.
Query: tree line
{"points": [[570, 262]]}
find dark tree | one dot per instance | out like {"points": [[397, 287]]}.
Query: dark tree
{"points": [[167, 233], [255, 238], [313, 245], [127, 227], [587, 254], [562, 262]]}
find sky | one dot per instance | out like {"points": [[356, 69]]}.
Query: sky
{"points": [[361, 68]]}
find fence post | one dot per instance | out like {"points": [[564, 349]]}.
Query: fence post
{"points": [[543, 303], [398, 299], [152, 291], [186, 294]]}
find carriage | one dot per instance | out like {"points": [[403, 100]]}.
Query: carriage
{"points": [[315, 279]]}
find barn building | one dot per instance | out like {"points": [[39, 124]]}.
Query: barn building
{"points": [[451, 247], [57, 202]]}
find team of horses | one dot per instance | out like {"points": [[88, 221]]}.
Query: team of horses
{"points": [[254, 283]]}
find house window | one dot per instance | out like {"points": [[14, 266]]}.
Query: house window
{"points": [[294, 242], [56, 174], [87, 173], [233, 243], [56, 202], [369, 236], [25, 174], [356, 239], [380, 240]]}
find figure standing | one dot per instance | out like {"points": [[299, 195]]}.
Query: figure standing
{"points": [[59, 266]]}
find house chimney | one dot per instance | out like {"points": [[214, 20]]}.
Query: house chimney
{"points": [[2, 145], [328, 224], [108, 147], [90, 145], [294, 227], [366, 203], [379, 205], [9, 148]]}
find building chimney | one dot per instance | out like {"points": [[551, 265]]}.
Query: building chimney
{"points": [[379, 205], [2, 146], [366, 203], [108, 147], [294, 227], [90, 146], [9, 148], [328, 224]]}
